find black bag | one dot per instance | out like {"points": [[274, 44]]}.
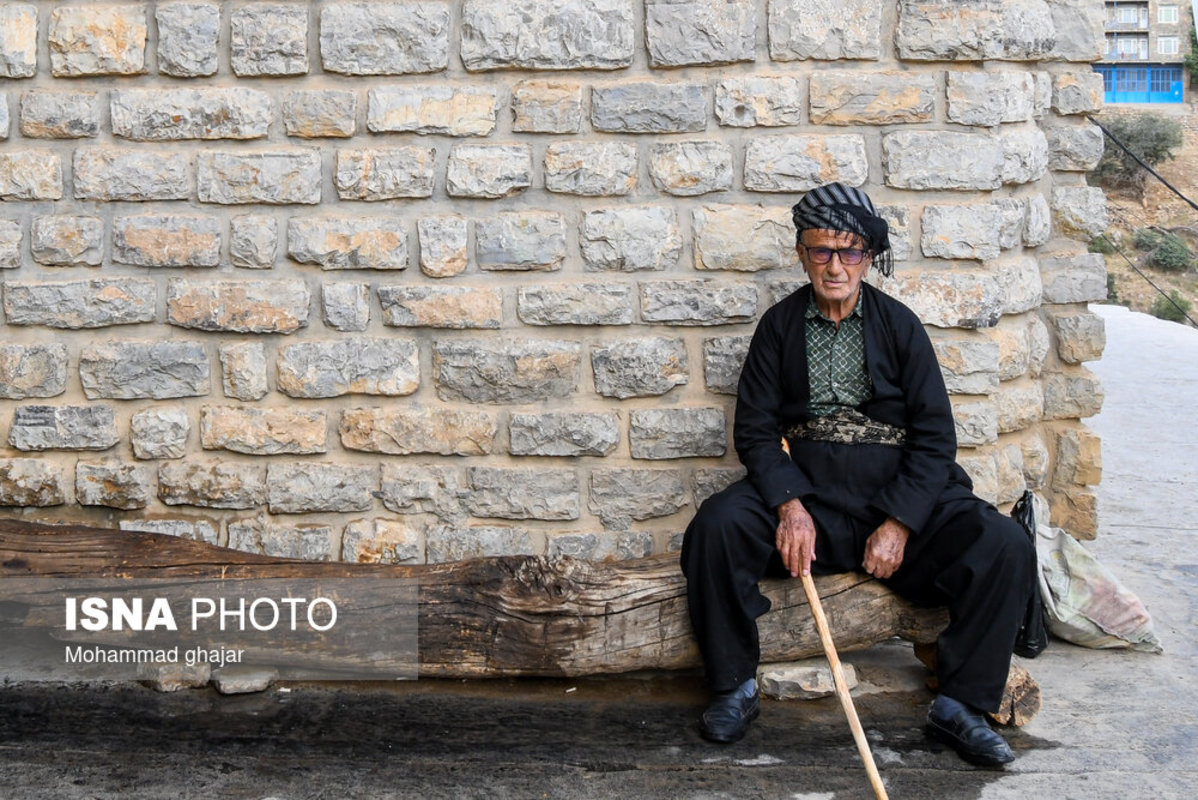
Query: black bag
{"points": [[1033, 635]]}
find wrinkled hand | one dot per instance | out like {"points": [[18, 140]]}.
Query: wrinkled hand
{"points": [[885, 547], [796, 537]]}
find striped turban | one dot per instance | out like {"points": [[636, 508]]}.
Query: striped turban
{"points": [[836, 207]]}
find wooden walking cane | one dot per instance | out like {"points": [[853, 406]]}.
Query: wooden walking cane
{"points": [[842, 687]]}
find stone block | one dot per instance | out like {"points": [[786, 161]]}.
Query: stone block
{"points": [[1075, 509], [759, 100], [384, 174], [352, 365], [991, 98], [97, 40], [1020, 405], [827, 30], [687, 169], [31, 483], [707, 482], [262, 431], [432, 108], [840, 97], [212, 484], [541, 106], [898, 218], [152, 370], [320, 113], [114, 484], [520, 240], [243, 679], [797, 163], [299, 487], [685, 33], [10, 243], [243, 370], [982, 468], [253, 241], [548, 34], [744, 238], [488, 171], [278, 178], [1079, 458], [166, 241], [157, 115], [412, 489], [337, 243], [174, 676], [160, 433], [645, 107], [383, 541], [1036, 461], [976, 422], [677, 433], [575, 304], [961, 231], [1019, 285], [564, 433], [1076, 148], [1025, 155], [1037, 222], [32, 370], [1071, 395], [59, 115], [187, 38], [109, 173], [1037, 345], [415, 431], [601, 546], [948, 298], [1042, 102], [1081, 336], [505, 371], [480, 541], [975, 30], [442, 245], [63, 241], [698, 302], [1079, 278], [36, 427], [644, 367], [969, 363], [238, 306], [1079, 28], [30, 175], [345, 306], [307, 542], [723, 357], [619, 496], [629, 239], [18, 40], [1077, 92], [545, 494], [441, 306], [802, 680], [590, 169], [198, 530], [269, 40], [924, 160], [384, 38], [80, 304]]}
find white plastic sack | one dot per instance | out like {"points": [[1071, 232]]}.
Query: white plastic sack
{"points": [[1083, 602]]}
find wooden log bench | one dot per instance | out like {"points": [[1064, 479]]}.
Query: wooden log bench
{"points": [[523, 615]]}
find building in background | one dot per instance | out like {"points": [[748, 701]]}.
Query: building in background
{"points": [[1146, 46]]}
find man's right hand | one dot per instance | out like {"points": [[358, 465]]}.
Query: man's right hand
{"points": [[796, 537]]}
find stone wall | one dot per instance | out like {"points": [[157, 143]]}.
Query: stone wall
{"points": [[425, 280]]}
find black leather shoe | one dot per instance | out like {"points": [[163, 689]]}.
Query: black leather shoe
{"points": [[728, 716], [967, 731]]}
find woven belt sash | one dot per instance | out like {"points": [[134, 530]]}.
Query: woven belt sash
{"points": [[847, 426]]}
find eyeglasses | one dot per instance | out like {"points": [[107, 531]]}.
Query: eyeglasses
{"points": [[849, 256]]}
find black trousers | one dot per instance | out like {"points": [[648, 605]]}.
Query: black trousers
{"points": [[968, 557]]}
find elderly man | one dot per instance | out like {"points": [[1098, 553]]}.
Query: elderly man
{"points": [[847, 376]]}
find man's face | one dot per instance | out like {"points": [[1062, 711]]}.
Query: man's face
{"points": [[833, 281]]}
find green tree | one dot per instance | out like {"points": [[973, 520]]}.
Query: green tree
{"points": [[1152, 137], [1174, 308], [1192, 57]]}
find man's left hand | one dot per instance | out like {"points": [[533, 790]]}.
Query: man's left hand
{"points": [[885, 547]]}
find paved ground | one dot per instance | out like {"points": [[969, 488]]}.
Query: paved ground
{"points": [[1114, 725]]}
